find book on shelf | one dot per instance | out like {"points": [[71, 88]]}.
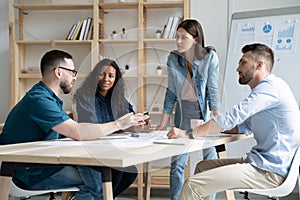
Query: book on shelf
{"points": [[90, 34], [88, 29], [163, 31], [77, 31], [175, 23], [82, 30], [71, 36], [168, 27], [71, 32]]}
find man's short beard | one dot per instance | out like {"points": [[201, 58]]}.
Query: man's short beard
{"points": [[65, 88], [244, 80]]}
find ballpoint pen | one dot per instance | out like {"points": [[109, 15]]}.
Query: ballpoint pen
{"points": [[135, 135]]}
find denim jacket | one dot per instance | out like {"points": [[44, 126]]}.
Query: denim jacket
{"points": [[205, 76]]}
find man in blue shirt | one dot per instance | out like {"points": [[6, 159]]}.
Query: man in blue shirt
{"points": [[270, 112], [39, 116]]}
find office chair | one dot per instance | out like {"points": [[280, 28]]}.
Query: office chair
{"points": [[282, 190], [18, 192]]}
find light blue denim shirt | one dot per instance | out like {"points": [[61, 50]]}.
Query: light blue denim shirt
{"points": [[206, 78], [271, 113]]}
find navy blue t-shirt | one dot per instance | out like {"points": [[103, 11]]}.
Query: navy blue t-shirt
{"points": [[97, 108]]}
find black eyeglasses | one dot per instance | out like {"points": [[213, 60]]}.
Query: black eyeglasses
{"points": [[71, 70]]}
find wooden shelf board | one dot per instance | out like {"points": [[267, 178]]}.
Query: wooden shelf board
{"points": [[130, 76], [154, 40], [168, 4], [155, 76], [51, 42], [119, 5], [82, 6], [121, 41], [37, 75], [155, 180]]}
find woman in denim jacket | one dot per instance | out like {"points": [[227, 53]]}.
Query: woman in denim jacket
{"points": [[193, 76]]}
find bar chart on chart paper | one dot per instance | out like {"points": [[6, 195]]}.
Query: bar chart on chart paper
{"points": [[285, 38]]}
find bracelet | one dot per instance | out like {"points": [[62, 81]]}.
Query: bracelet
{"points": [[189, 132]]}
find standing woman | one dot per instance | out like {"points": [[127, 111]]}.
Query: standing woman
{"points": [[101, 99], [193, 76]]}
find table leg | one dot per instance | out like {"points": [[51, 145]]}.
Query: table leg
{"points": [[5, 182], [106, 182], [6, 173], [221, 151], [140, 181], [147, 188], [107, 190]]}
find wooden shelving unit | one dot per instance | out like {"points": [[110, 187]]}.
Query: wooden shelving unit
{"points": [[140, 43]]}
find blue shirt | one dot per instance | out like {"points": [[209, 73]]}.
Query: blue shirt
{"points": [[30, 120], [205, 76], [271, 113]]}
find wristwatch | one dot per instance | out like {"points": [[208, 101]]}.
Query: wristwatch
{"points": [[189, 132]]}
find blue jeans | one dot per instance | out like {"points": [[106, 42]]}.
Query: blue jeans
{"points": [[86, 179], [178, 165], [122, 179]]}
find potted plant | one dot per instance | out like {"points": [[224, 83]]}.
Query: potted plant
{"points": [[114, 35], [158, 70], [123, 35], [158, 34]]}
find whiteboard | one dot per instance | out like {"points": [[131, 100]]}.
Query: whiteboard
{"points": [[277, 28]]}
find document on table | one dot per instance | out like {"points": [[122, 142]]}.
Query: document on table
{"points": [[69, 142], [115, 136], [213, 136], [119, 139], [177, 141], [183, 141]]}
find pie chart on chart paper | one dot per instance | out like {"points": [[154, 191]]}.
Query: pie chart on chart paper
{"points": [[267, 28]]}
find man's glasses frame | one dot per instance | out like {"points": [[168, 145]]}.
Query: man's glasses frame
{"points": [[71, 70]]}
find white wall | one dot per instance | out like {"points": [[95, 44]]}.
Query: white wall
{"points": [[244, 5], [213, 17], [4, 60]]}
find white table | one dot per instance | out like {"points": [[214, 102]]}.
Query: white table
{"points": [[107, 153]]}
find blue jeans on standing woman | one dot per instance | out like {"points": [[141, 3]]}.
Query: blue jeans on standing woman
{"points": [[178, 163]]}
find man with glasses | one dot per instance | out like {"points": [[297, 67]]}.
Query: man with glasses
{"points": [[39, 116]]}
